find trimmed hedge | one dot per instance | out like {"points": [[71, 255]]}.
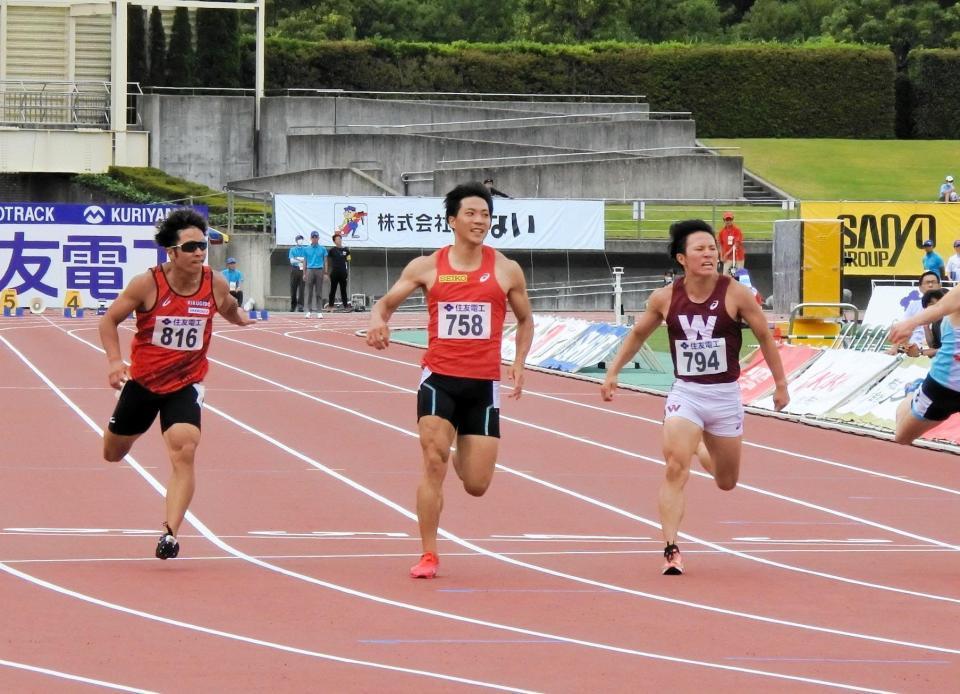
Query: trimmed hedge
{"points": [[936, 93], [744, 90]]}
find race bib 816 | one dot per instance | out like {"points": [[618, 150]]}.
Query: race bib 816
{"points": [[182, 333], [463, 320]]}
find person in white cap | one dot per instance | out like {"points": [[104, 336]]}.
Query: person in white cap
{"points": [[947, 192]]}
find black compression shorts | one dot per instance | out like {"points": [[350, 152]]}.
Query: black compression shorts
{"points": [[138, 407], [472, 405]]}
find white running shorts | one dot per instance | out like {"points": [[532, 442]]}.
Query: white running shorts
{"points": [[717, 408]]}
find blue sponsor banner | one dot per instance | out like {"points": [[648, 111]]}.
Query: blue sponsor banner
{"points": [[93, 215], [588, 348], [47, 250]]}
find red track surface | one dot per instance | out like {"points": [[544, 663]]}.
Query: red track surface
{"points": [[549, 583]]}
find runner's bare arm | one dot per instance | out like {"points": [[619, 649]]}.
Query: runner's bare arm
{"points": [[416, 274], [751, 313], [646, 323], [520, 305], [227, 304], [134, 297]]}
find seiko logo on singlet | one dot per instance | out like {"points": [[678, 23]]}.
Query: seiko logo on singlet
{"points": [[452, 279], [695, 328]]}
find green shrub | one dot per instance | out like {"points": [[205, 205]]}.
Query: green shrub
{"points": [[936, 93], [741, 90]]}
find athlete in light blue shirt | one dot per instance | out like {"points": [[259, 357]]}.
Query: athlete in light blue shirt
{"points": [[315, 256], [938, 396], [932, 261], [298, 268], [234, 279]]}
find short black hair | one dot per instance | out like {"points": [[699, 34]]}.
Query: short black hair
{"points": [[930, 295], [168, 231], [679, 231], [929, 272], [473, 189]]}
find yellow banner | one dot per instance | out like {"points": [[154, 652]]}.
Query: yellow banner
{"points": [[884, 238]]}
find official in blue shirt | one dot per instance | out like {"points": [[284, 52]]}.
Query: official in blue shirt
{"points": [[298, 268], [315, 256], [931, 261], [234, 279]]}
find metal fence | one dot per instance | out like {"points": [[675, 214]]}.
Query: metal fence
{"points": [[55, 104]]}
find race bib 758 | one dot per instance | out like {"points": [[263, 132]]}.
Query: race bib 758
{"points": [[463, 320]]}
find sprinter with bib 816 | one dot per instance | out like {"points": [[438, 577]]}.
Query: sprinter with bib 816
{"points": [[467, 286], [174, 303], [704, 412]]}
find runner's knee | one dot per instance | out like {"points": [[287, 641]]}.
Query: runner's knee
{"points": [[113, 453], [476, 487], [726, 481], [677, 471]]}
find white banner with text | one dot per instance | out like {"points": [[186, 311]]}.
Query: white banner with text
{"points": [[403, 222]]}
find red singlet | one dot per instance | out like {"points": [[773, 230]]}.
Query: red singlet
{"points": [[466, 319], [170, 347], [704, 340]]}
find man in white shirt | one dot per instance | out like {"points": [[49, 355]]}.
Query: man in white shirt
{"points": [[953, 262], [914, 346]]}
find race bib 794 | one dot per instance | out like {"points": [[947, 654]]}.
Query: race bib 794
{"points": [[463, 320], [701, 357]]}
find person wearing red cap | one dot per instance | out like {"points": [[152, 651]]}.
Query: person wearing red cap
{"points": [[731, 245]]}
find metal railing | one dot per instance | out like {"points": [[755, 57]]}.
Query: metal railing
{"points": [[55, 104], [481, 96]]}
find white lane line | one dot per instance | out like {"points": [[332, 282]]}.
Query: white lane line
{"points": [[247, 639], [211, 537], [74, 678], [193, 520], [541, 569], [657, 422], [451, 553], [611, 507]]}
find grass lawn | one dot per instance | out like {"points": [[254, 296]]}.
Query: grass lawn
{"points": [[755, 221], [850, 169]]}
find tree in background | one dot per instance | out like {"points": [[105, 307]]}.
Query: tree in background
{"points": [[181, 58], [330, 20], [775, 20], [676, 20], [900, 25], [574, 21], [440, 21], [136, 44], [156, 76], [735, 9], [218, 49]]}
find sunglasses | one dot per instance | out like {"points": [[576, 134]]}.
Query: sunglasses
{"points": [[191, 246]]}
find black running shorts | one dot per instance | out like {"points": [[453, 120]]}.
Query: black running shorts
{"points": [[138, 407], [934, 401], [472, 405]]}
